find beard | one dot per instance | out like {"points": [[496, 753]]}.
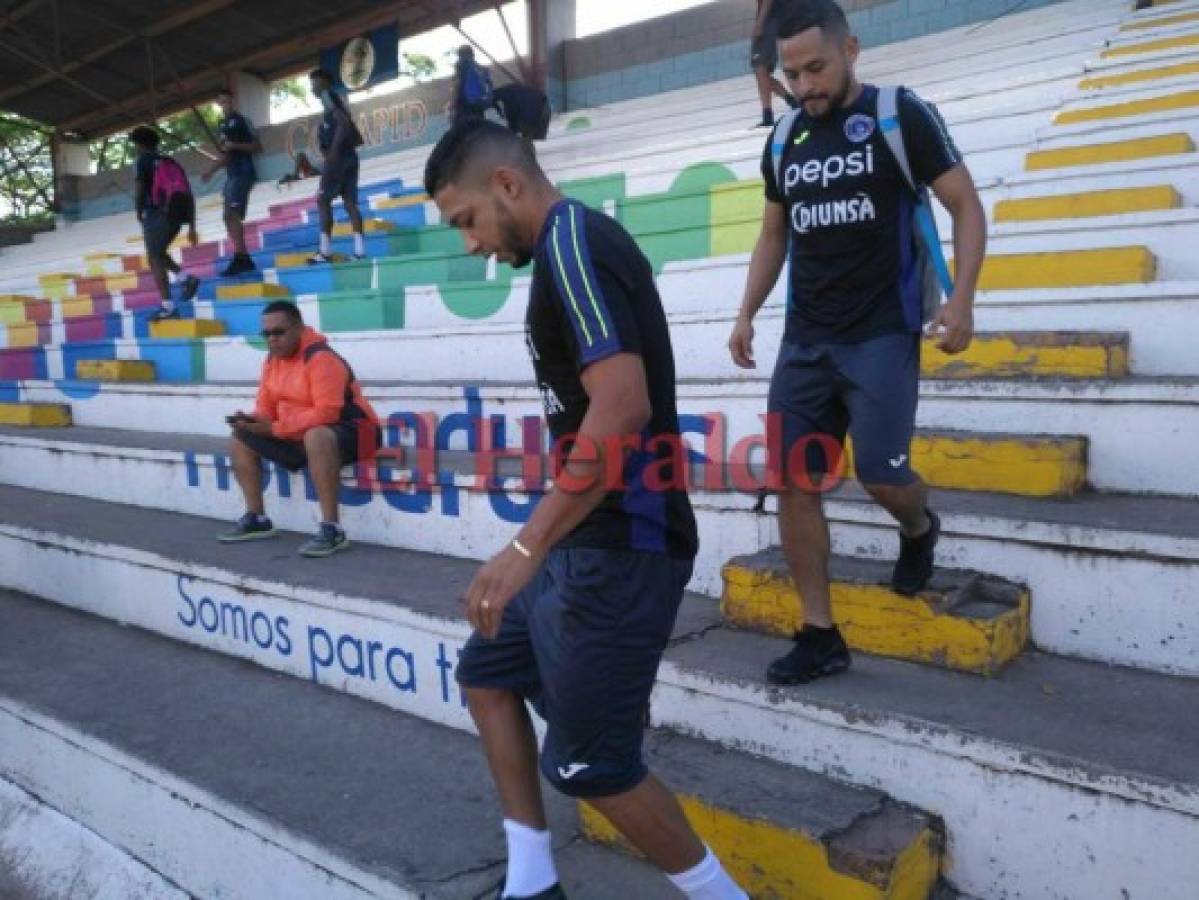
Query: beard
{"points": [[836, 100], [514, 242]]}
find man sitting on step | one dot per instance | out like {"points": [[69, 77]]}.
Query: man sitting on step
{"points": [[310, 412], [841, 207]]}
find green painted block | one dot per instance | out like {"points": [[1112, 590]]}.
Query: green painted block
{"points": [[370, 311], [354, 276], [595, 192]]}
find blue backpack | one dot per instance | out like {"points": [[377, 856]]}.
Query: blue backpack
{"points": [[934, 270], [476, 86]]}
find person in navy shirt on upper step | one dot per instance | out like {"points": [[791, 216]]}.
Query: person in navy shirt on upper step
{"points": [[573, 615], [239, 143], [339, 140], [850, 356]]}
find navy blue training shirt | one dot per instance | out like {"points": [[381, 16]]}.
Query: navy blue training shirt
{"points": [[237, 128], [593, 295], [852, 249]]}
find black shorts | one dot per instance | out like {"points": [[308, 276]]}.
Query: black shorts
{"points": [[352, 444], [869, 389], [237, 194], [340, 179], [159, 231], [764, 51], [582, 643]]}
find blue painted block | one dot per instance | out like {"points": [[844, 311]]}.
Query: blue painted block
{"points": [[241, 317], [72, 353], [307, 279], [10, 392], [179, 360]]}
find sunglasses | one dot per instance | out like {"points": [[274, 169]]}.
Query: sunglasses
{"points": [[268, 333]]}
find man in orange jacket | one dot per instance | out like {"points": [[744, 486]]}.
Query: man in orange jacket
{"points": [[310, 412]]}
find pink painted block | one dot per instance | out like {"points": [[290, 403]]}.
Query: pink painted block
{"points": [[22, 363]]}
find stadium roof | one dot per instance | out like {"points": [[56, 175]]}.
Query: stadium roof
{"points": [[92, 67]]}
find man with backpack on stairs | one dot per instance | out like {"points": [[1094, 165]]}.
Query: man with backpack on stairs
{"points": [[471, 93], [163, 200], [847, 177]]}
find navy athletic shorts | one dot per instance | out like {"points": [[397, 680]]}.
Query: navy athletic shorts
{"points": [[869, 389], [292, 456], [582, 643], [340, 179], [764, 51], [237, 194]]}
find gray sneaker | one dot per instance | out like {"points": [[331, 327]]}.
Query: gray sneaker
{"points": [[249, 527], [554, 892], [328, 540]]}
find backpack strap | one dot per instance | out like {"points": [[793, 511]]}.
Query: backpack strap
{"points": [[778, 145], [350, 410], [892, 129]]}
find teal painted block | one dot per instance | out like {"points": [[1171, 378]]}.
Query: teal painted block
{"points": [[369, 311]]}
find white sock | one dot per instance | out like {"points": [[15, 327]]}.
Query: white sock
{"points": [[708, 881], [168, 305], [325, 242], [359, 243], [530, 861]]}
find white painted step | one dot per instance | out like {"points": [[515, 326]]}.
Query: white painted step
{"points": [[1038, 773], [1112, 576]]}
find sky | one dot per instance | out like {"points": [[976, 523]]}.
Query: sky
{"points": [[591, 17]]}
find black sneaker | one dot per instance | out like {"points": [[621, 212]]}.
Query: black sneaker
{"points": [[319, 258], [162, 314], [239, 265], [817, 652], [550, 893], [249, 527], [914, 567], [191, 287], [328, 540]]}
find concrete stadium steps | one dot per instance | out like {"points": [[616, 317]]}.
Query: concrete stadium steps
{"points": [[244, 783], [1109, 202], [35, 415], [962, 620], [1164, 144], [1087, 561], [767, 840], [1113, 417], [1031, 802]]}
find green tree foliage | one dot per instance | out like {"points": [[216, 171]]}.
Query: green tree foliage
{"points": [[26, 175]]}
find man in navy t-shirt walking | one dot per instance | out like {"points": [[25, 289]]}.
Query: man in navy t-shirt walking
{"points": [[238, 143], [339, 140], [840, 210], [573, 615]]}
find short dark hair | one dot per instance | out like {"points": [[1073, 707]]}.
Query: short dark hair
{"points": [[321, 73], [286, 307], [144, 136], [467, 142], [466, 51], [800, 15]]}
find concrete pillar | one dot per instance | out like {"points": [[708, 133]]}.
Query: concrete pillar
{"points": [[252, 96], [73, 158], [551, 25]]}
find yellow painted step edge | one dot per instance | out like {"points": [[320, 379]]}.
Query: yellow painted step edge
{"points": [[1178, 42], [1163, 22], [1181, 100], [1003, 356], [1117, 151], [1068, 268], [773, 863], [35, 415], [187, 328], [1092, 203], [251, 291], [115, 370], [1026, 467], [874, 619], [1180, 70]]}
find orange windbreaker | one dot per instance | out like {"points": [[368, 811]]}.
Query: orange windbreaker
{"points": [[297, 395]]}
